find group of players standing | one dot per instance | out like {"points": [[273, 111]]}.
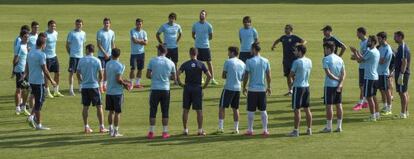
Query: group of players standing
{"points": [[246, 71]]}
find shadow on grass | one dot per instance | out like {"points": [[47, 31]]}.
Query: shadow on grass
{"points": [[159, 2]]}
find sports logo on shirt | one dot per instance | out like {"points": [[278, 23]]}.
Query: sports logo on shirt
{"points": [[193, 65]]}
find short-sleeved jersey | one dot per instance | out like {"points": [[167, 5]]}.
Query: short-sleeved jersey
{"points": [[89, 67], [202, 31], [257, 67], [289, 42], [193, 70], [37, 58], [113, 69], [171, 33], [76, 41], [247, 37], [22, 56], [51, 39], [302, 68], [161, 70], [234, 68], [335, 65], [336, 41], [386, 55], [403, 52], [141, 35], [371, 61], [106, 38]]}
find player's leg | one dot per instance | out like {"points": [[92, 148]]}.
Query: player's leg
{"points": [[251, 109], [308, 120], [165, 106], [118, 100], [140, 66], [154, 101], [17, 100], [221, 113], [235, 107], [198, 107], [262, 106], [296, 112], [71, 72], [362, 100], [286, 71], [86, 102], [187, 101], [339, 116]]}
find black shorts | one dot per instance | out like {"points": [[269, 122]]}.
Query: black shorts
{"points": [[382, 83], [161, 97], [137, 61], [228, 98], [204, 54], [73, 64], [91, 96], [193, 96], [370, 88], [331, 96], [287, 65], [245, 55], [256, 100], [300, 97], [172, 54], [114, 103], [361, 77], [401, 88], [19, 80], [53, 64], [103, 61], [38, 91]]}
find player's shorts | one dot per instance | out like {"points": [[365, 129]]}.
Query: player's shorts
{"points": [[103, 61], [256, 100], [19, 80], [370, 88], [172, 54], [245, 55], [331, 96], [91, 96], [73, 64], [137, 61], [204, 54], [114, 102], [38, 91], [382, 83], [300, 97], [401, 88], [361, 73], [228, 98], [193, 96], [53, 64], [287, 66], [161, 97]]}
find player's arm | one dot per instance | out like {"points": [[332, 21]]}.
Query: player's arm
{"points": [[224, 75], [268, 80], [142, 42], [277, 41], [79, 75], [178, 78], [356, 54], [193, 35], [330, 75], [159, 38], [100, 76], [343, 48], [341, 80], [245, 80], [403, 65], [100, 47], [291, 77], [68, 47], [47, 74], [208, 74], [149, 74], [121, 81], [302, 42], [179, 37], [210, 36]]}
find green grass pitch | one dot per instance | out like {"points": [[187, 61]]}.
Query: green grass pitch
{"points": [[387, 138]]}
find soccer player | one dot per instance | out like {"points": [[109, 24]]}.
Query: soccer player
{"points": [[31, 44], [386, 54], [74, 46], [371, 60], [114, 94], [289, 42], [402, 72], [105, 38], [19, 65], [90, 73], [334, 68], [361, 34], [193, 93], [327, 33], [247, 36], [233, 71], [138, 41], [202, 33], [37, 71], [300, 72], [19, 39], [257, 69], [52, 61], [160, 70], [172, 35]]}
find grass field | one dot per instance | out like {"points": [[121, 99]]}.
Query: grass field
{"points": [[384, 139]]}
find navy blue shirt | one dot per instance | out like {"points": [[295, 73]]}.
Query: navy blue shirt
{"points": [[403, 52], [193, 72], [336, 41], [289, 42]]}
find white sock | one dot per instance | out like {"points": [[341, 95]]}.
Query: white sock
{"points": [[47, 90], [385, 105], [152, 128], [329, 124], [116, 128], [87, 126], [377, 115], [111, 127], [137, 81], [373, 115], [365, 99], [389, 107], [164, 128], [200, 130], [56, 89], [39, 125], [186, 130], [250, 118], [71, 87], [339, 123], [264, 120], [362, 101], [102, 126], [18, 109], [221, 124], [236, 125]]}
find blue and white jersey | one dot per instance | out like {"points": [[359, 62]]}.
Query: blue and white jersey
{"points": [[89, 67], [37, 58], [371, 61], [334, 64], [51, 39], [202, 31], [16, 44], [302, 68], [76, 40], [257, 67], [234, 68], [386, 55], [141, 35], [247, 37], [31, 43], [22, 56], [171, 33], [106, 38], [161, 70], [363, 49], [113, 69]]}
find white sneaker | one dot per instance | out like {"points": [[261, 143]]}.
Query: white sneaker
{"points": [[403, 116], [116, 134], [31, 121], [71, 93], [18, 110], [41, 127]]}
